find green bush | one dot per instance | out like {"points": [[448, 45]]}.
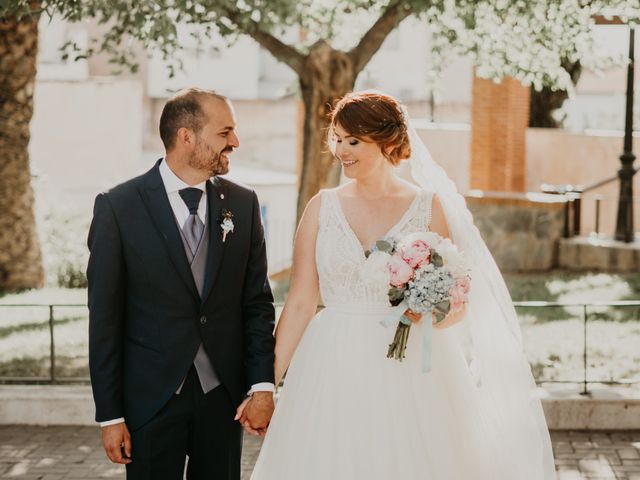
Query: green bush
{"points": [[63, 239]]}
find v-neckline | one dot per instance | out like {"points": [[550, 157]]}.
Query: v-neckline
{"points": [[352, 233]]}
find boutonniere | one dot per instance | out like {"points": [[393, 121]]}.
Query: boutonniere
{"points": [[226, 223]]}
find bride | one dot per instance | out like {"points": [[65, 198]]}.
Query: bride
{"points": [[346, 411]]}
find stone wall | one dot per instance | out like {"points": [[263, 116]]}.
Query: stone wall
{"points": [[522, 231], [592, 253]]}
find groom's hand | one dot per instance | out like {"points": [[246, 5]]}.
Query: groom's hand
{"points": [[257, 413], [117, 443]]}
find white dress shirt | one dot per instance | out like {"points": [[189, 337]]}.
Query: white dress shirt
{"points": [[173, 184]]}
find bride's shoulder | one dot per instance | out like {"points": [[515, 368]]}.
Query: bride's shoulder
{"points": [[339, 190], [438, 219], [311, 212]]}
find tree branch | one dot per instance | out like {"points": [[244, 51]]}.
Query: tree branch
{"points": [[375, 36], [280, 50]]}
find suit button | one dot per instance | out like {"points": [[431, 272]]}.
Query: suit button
{"points": [[203, 320]]}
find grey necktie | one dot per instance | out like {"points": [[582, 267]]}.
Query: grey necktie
{"points": [[193, 229]]}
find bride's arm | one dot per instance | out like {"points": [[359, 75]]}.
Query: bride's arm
{"points": [[302, 300], [439, 225]]}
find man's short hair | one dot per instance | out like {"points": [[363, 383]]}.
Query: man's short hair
{"points": [[184, 109]]}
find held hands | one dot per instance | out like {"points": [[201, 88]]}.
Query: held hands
{"points": [[117, 443], [255, 412]]}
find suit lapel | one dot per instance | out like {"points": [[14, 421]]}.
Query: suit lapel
{"points": [[155, 197], [217, 199]]}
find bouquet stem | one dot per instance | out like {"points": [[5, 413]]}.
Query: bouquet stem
{"points": [[399, 344]]}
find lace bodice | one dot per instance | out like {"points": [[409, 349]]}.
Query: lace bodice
{"points": [[340, 256]]}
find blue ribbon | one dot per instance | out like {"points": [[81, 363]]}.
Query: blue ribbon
{"points": [[397, 315]]}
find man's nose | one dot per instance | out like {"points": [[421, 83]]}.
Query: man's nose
{"points": [[233, 141]]}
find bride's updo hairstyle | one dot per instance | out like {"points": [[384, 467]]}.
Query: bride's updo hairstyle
{"points": [[374, 116]]}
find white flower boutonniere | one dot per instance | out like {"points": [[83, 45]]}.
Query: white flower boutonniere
{"points": [[226, 223]]}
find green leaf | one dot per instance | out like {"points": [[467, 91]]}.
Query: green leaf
{"points": [[384, 246], [396, 294], [436, 259], [443, 306]]}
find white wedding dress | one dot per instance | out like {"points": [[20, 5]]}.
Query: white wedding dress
{"points": [[347, 412]]}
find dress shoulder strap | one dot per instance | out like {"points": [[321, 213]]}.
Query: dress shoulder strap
{"points": [[326, 207], [427, 203]]}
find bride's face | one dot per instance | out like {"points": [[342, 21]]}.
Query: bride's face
{"points": [[359, 157]]}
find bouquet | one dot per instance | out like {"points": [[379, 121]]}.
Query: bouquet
{"points": [[427, 274]]}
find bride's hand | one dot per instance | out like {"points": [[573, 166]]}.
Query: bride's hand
{"points": [[245, 423], [241, 408], [413, 316]]}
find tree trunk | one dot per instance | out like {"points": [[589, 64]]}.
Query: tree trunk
{"points": [[328, 75], [547, 101], [20, 258]]}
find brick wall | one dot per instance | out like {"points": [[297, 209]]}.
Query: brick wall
{"points": [[500, 114]]}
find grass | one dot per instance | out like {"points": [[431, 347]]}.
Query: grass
{"points": [[575, 288], [34, 326], [68, 367]]}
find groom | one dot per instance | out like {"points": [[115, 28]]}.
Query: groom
{"points": [[180, 310]]}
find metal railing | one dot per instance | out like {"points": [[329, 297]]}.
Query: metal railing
{"points": [[575, 196], [53, 378], [585, 382]]}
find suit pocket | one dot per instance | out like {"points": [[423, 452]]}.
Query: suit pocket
{"points": [[139, 342]]}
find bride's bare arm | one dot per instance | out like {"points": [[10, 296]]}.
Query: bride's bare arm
{"points": [[302, 301], [439, 226]]}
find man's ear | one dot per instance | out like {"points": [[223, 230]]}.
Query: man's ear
{"points": [[185, 137]]}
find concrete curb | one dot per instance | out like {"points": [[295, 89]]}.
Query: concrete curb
{"points": [[46, 405], [604, 409]]}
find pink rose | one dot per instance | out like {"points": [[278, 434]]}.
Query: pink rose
{"points": [[457, 299], [464, 283], [400, 273], [459, 293], [416, 253]]}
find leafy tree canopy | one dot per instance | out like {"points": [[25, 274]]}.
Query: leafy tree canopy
{"points": [[525, 39]]}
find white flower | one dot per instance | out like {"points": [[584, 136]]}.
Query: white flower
{"points": [[374, 271], [431, 238], [452, 257], [227, 225]]}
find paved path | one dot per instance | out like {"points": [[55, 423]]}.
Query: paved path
{"points": [[64, 453]]}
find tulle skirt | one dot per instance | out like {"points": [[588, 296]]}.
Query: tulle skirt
{"points": [[346, 412]]}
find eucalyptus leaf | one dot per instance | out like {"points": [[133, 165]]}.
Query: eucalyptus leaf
{"points": [[443, 306], [396, 293], [384, 246], [436, 259]]}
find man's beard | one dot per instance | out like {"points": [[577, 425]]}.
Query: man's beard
{"points": [[206, 159]]}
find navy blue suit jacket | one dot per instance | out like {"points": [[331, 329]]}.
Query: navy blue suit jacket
{"points": [[146, 318]]}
